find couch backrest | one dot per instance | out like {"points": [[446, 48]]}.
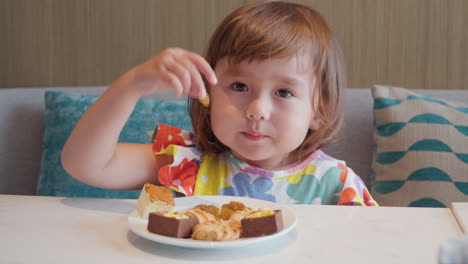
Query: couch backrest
{"points": [[22, 116], [21, 134]]}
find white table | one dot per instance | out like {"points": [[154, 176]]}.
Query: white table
{"points": [[460, 211], [79, 230]]}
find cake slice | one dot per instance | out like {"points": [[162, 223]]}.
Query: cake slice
{"points": [[178, 225], [154, 198], [262, 223]]}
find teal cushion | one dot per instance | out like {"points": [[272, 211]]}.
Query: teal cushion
{"points": [[63, 110], [421, 149]]}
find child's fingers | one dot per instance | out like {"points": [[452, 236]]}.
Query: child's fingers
{"points": [[197, 88], [173, 80], [203, 66], [182, 72], [179, 70]]}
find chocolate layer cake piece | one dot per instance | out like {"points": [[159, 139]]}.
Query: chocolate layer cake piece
{"points": [[171, 224], [262, 223]]}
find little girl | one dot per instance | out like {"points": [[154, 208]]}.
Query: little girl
{"points": [[272, 74]]}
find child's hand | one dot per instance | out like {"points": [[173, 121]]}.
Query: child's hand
{"points": [[175, 69]]}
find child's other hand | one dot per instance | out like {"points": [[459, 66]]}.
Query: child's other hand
{"points": [[173, 69]]}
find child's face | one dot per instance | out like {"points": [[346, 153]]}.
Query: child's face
{"points": [[262, 110]]}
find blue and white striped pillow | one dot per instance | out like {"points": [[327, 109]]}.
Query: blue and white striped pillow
{"points": [[421, 149]]}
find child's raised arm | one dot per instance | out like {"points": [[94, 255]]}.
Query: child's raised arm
{"points": [[92, 153]]}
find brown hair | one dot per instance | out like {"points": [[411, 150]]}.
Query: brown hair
{"points": [[273, 29]]}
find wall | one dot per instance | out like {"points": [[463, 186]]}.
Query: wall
{"points": [[410, 43]]}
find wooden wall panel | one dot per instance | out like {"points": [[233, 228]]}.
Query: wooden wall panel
{"points": [[410, 43]]}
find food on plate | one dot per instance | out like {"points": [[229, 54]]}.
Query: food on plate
{"points": [[154, 198], [205, 222], [209, 209], [171, 224], [230, 208], [219, 230], [178, 224], [262, 223], [200, 215]]}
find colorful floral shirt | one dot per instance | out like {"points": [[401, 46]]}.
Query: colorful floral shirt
{"points": [[319, 179]]}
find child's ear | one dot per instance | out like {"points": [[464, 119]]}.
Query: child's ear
{"points": [[314, 124]]}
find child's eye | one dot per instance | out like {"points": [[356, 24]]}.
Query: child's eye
{"points": [[239, 87], [283, 93]]}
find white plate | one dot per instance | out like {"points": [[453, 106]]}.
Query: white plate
{"points": [[139, 225]]}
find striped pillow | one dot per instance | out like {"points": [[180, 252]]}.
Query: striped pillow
{"points": [[421, 149]]}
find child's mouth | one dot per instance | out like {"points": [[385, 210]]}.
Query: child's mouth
{"points": [[253, 135]]}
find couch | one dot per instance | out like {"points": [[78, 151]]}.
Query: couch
{"points": [[22, 113]]}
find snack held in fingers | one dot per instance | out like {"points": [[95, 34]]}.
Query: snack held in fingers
{"points": [[205, 101], [154, 198]]}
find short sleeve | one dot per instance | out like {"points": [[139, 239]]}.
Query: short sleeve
{"points": [[355, 191], [181, 174]]}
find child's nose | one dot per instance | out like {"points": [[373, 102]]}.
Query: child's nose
{"points": [[259, 109]]}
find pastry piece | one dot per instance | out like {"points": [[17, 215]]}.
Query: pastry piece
{"points": [[237, 216], [200, 215], [178, 225], [262, 223], [209, 209], [154, 198], [228, 209], [218, 230]]}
